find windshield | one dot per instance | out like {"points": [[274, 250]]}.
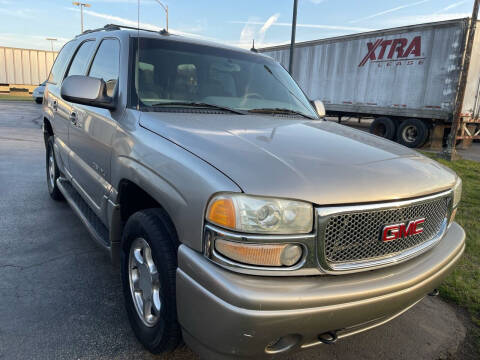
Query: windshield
{"points": [[170, 71]]}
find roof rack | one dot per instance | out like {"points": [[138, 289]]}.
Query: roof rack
{"points": [[111, 27]]}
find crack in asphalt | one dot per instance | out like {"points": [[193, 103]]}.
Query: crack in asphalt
{"points": [[25, 267]]}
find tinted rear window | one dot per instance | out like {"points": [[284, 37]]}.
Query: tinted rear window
{"points": [[61, 63], [81, 59]]}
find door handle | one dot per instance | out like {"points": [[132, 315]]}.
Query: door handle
{"points": [[54, 105], [73, 118]]}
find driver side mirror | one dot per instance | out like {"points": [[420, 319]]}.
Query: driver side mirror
{"points": [[87, 91], [319, 108]]}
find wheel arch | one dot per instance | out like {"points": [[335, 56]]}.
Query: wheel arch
{"points": [[47, 129], [133, 196]]}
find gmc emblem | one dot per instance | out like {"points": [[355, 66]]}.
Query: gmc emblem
{"points": [[400, 231]]}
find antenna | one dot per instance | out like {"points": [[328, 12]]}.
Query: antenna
{"points": [[137, 60], [253, 46]]}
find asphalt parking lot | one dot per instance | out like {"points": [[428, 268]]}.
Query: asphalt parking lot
{"points": [[61, 299]]}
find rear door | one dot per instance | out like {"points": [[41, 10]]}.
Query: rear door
{"points": [[92, 130]]}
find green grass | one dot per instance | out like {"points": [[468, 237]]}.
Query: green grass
{"points": [[16, 97], [463, 285]]}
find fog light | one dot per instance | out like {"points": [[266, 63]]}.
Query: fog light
{"points": [[260, 254], [290, 255]]}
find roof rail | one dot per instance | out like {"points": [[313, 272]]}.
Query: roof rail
{"points": [[111, 27]]}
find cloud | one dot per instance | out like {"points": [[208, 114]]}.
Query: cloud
{"points": [[31, 41], [270, 21], [314, 26], [316, 2], [22, 13], [248, 33], [420, 19], [389, 11], [122, 1], [452, 6]]}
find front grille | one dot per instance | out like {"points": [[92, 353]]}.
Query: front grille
{"points": [[354, 236]]}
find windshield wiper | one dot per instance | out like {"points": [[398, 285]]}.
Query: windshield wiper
{"points": [[279, 111], [197, 104]]}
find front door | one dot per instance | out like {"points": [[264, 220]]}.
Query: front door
{"points": [[91, 133]]}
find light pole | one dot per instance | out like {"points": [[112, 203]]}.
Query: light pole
{"points": [[292, 42], [51, 41], [165, 7], [82, 5]]}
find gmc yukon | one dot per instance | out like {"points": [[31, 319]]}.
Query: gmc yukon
{"points": [[241, 221]]}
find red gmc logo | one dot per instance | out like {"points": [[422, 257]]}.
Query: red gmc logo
{"points": [[400, 231], [399, 47]]}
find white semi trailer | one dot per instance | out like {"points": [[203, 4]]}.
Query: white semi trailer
{"points": [[24, 66], [406, 78]]}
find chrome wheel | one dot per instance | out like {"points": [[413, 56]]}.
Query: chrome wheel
{"points": [[51, 169], [144, 282], [410, 133]]}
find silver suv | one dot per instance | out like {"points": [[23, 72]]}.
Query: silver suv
{"points": [[240, 220]]}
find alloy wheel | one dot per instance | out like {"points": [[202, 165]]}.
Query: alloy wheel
{"points": [[144, 282]]}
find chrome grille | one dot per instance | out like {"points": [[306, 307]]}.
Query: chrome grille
{"points": [[354, 236]]}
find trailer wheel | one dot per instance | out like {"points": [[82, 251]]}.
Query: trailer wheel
{"points": [[384, 127], [412, 133]]}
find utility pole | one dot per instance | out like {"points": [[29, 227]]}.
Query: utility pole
{"points": [[457, 116], [82, 5], [51, 41], [165, 7], [292, 43]]}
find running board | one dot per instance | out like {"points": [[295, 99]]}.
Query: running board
{"points": [[94, 225]]}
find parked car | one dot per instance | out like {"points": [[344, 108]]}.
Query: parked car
{"points": [[240, 220], [38, 92]]}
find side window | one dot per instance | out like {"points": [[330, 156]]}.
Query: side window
{"points": [[61, 62], [80, 61], [106, 64]]}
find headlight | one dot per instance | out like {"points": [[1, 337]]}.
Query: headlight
{"points": [[252, 214], [457, 192]]}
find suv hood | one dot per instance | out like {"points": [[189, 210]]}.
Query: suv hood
{"points": [[316, 161]]}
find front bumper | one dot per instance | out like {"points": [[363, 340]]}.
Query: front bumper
{"points": [[228, 315]]}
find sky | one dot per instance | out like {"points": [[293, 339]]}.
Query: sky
{"points": [[27, 23]]}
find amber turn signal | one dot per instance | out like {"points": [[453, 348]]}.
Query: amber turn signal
{"points": [[452, 217], [260, 254], [222, 212]]}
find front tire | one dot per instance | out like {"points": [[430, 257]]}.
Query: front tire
{"points": [[52, 172], [39, 100], [148, 270]]}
